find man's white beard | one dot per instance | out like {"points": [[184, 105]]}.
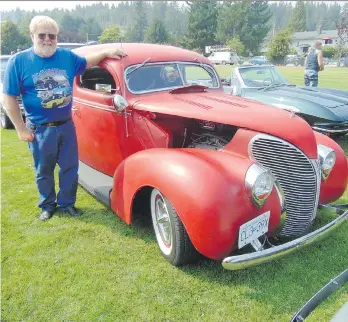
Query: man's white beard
{"points": [[45, 50]]}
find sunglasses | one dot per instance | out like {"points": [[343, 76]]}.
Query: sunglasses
{"points": [[50, 36]]}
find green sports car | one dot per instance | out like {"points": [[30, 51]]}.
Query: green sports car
{"points": [[325, 109]]}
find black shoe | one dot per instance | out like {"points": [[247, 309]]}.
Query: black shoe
{"points": [[72, 211], [45, 215]]}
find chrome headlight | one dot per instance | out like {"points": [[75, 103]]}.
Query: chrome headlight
{"points": [[259, 184], [327, 158]]}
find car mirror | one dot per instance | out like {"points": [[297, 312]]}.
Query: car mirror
{"points": [[106, 88], [260, 72], [120, 103]]}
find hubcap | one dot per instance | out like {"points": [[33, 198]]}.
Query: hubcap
{"points": [[161, 222]]}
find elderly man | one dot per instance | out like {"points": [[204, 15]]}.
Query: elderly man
{"points": [[49, 129], [313, 64]]}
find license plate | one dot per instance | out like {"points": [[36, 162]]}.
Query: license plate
{"points": [[253, 229]]}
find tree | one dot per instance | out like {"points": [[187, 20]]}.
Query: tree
{"points": [[137, 32], [201, 25], [110, 34], [157, 33], [230, 20], [328, 51], [342, 32], [256, 26], [279, 46], [298, 19], [235, 43], [11, 39]]}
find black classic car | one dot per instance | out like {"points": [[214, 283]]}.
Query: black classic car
{"points": [[325, 109]]}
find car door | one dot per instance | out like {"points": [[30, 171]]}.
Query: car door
{"points": [[100, 129]]}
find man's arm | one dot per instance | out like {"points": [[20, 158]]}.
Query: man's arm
{"points": [[95, 58], [14, 113], [320, 60]]}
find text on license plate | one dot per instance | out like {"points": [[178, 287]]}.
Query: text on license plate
{"points": [[253, 229]]}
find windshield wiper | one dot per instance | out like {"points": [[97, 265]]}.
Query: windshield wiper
{"points": [[141, 65], [275, 85]]}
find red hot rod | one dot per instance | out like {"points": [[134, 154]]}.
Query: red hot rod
{"points": [[216, 172]]}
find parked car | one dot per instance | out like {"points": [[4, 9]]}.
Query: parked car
{"points": [[4, 119], [296, 60], [214, 172], [259, 60], [224, 57], [326, 110]]}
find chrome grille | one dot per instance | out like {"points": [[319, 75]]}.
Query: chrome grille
{"points": [[298, 176]]}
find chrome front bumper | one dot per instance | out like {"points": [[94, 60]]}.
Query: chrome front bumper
{"points": [[262, 256]]}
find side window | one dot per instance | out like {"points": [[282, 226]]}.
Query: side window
{"points": [[98, 79]]}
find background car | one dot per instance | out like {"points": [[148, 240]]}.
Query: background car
{"points": [[224, 57], [296, 60], [326, 110], [259, 60], [4, 119]]}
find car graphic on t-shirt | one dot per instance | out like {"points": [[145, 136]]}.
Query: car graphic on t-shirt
{"points": [[53, 103], [47, 83], [62, 90]]}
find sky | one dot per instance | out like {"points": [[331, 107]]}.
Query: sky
{"points": [[43, 5]]}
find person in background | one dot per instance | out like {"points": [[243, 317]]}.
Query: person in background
{"points": [[12, 52], [313, 65], [34, 74]]}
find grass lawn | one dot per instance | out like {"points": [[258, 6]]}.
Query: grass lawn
{"points": [[331, 77], [96, 268]]}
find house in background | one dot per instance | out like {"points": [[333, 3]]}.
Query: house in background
{"points": [[302, 41]]}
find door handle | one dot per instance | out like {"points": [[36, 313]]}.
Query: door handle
{"points": [[74, 108]]}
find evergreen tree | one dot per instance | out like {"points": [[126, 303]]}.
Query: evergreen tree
{"points": [[137, 32], [298, 19], [256, 26], [201, 25], [157, 33]]}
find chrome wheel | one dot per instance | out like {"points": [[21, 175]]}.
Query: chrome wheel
{"points": [[161, 222]]}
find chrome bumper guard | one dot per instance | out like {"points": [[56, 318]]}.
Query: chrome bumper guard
{"points": [[262, 256]]}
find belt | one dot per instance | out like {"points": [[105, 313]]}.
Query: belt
{"points": [[53, 124]]}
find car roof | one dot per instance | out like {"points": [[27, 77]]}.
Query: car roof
{"points": [[139, 52]]}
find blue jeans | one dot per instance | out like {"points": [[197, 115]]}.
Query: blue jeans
{"points": [[51, 146]]}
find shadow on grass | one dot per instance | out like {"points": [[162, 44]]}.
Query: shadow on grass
{"points": [[283, 284]]}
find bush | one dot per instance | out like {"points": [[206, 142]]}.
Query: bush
{"points": [[329, 51]]}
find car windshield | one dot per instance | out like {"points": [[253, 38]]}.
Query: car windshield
{"points": [[262, 77], [157, 77]]}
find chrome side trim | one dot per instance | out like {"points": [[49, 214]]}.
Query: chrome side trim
{"points": [[94, 106], [320, 296], [248, 260], [320, 129]]}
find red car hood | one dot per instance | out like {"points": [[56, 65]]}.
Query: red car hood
{"points": [[227, 109]]}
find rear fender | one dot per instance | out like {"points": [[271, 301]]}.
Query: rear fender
{"points": [[206, 188], [335, 185]]}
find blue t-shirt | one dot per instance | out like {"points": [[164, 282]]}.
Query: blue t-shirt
{"points": [[44, 83]]}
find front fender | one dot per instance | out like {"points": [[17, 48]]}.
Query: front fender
{"points": [[335, 185], [206, 188]]}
